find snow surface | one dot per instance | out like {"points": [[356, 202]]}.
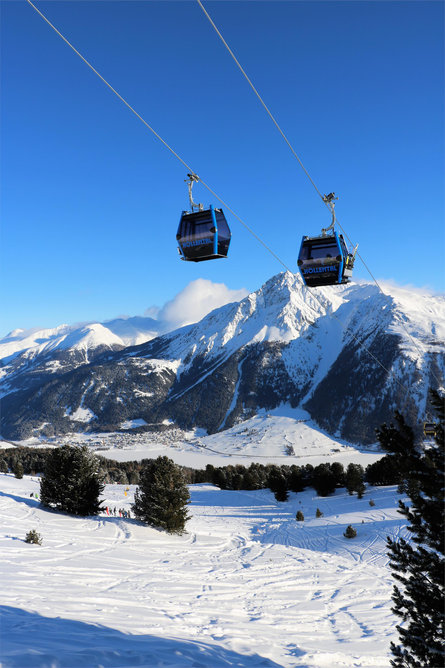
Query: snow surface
{"points": [[82, 415], [283, 435], [133, 424], [247, 585]]}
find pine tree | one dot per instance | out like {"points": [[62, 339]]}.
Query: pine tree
{"points": [[33, 537], [339, 473], [419, 566], [162, 496], [296, 479], [361, 490], [71, 482], [354, 478], [251, 480], [324, 480], [277, 484], [385, 471], [350, 532], [220, 478], [18, 470]]}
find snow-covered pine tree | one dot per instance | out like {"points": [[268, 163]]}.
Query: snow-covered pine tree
{"points": [[419, 566], [71, 482], [162, 496]]}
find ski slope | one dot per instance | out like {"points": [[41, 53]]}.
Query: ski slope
{"points": [[246, 585]]}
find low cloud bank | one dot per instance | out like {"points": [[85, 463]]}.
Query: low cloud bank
{"points": [[194, 302]]}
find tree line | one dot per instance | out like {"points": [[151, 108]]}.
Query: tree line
{"points": [[324, 478]]}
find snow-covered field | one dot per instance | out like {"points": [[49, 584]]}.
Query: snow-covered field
{"points": [[283, 435], [247, 585]]}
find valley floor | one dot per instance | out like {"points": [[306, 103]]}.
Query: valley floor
{"points": [[284, 435], [246, 586]]}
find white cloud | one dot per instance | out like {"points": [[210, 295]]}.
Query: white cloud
{"points": [[195, 301], [152, 312], [390, 285], [426, 290]]}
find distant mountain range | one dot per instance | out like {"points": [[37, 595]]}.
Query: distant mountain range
{"points": [[341, 352], [120, 332]]}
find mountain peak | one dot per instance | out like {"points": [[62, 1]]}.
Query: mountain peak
{"points": [[348, 354]]}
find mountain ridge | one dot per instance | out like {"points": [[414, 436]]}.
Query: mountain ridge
{"points": [[342, 354]]}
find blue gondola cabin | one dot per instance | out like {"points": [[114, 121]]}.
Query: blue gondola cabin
{"points": [[203, 235], [325, 260]]}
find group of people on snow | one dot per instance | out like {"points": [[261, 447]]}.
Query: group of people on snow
{"points": [[120, 512]]}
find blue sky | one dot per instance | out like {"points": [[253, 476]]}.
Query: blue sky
{"points": [[91, 199]]}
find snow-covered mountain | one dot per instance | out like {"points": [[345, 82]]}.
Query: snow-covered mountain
{"points": [[30, 356], [349, 355], [86, 336]]}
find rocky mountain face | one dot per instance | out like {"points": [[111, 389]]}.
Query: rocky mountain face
{"points": [[29, 358], [349, 355]]}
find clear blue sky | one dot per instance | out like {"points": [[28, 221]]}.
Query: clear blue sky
{"points": [[91, 200]]}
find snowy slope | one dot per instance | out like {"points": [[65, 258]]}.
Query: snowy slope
{"points": [[246, 586], [282, 309]]}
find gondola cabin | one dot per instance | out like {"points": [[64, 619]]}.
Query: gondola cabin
{"points": [[429, 429], [325, 260], [203, 235]]}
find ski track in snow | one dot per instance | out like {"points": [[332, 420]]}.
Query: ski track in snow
{"points": [[247, 585]]}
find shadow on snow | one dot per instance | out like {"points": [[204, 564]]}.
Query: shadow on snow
{"points": [[31, 640]]}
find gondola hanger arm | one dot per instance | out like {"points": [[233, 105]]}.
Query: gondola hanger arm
{"points": [[329, 200], [193, 178]]}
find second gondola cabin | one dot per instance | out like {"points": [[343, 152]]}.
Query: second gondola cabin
{"points": [[203, 235], [325, 260]]}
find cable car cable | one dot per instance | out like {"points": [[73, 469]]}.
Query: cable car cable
{"points": [[206, 186], [109, 85], [258, 96], [218, 32], [189, 169]]}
